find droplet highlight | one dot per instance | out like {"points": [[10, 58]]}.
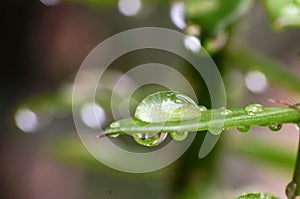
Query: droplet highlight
{"points": [[202, 108], [113, 135], [226, 112], [150, 139], [115, 125], [275, 127], [179, 136], [167, 106], [253, 109]]}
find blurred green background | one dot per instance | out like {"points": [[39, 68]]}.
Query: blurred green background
{"points": [[255, 44]]}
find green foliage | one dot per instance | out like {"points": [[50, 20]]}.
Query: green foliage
{"points": [[214, 15], [283, 13]]}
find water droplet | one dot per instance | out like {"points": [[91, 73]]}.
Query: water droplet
{"points": [[253, 109], [243, 129], [226, 112], [150, 139], [179, 136], [275, 127], [290, 190], [202, 108], [113, 135], [167, 106], [115, 125]]}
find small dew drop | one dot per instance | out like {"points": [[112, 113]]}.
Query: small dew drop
{"points": [[150, 139], [275, 127], [114, 135], [243, 129], [202, 108], [253, 109], [290, 190], [114, 125], [226, 112], [179, 136]]}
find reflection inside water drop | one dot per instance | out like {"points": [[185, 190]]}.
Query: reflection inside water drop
{"points": [[149, 139], [243, 129], [290, 190], [253, 109], [226, 112], [167, 106], [275, 127]]}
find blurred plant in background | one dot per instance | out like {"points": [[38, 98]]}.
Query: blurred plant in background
{"points": [[46, 41]]}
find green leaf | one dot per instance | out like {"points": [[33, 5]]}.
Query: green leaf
{"points": [[214, 15], [237, 117], [283, 13]]}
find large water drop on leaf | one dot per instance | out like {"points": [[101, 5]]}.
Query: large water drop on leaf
{"points": [[167, 106]]}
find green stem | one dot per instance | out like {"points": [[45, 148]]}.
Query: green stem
{"points": [[296, 177], [293, 188], [238, 117]]}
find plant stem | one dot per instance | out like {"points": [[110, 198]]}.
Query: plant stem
{"points": [[293, 188], [238, 117], [296, 177]]}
